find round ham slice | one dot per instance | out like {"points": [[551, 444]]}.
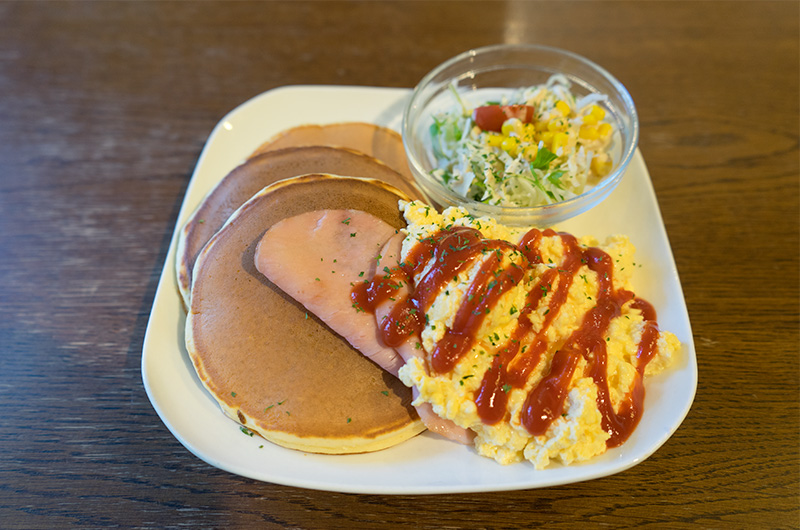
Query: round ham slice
{"points": [[317, 258]]}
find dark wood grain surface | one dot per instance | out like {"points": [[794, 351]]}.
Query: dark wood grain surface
{"points": [[104, 108]]}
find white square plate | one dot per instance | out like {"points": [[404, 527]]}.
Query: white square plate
{"points": [[427, 463]]}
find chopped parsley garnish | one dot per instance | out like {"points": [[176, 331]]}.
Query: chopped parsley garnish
{"points": [[543, 159]]}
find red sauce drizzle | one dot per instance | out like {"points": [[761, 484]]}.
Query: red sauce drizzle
{"points": [[546, 401], [456, 249], [622, 423], [522, 352]]}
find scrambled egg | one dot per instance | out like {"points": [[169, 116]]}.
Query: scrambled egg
{"points": [[577, 434]]}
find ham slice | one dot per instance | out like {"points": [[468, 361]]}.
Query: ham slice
{"points": [[316, 258]]}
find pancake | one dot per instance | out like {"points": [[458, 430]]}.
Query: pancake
{"points": [[380, 142], [259, 171], [271, 365]]}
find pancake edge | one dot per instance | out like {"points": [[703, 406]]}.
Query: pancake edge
{"points": [[182, 270]]}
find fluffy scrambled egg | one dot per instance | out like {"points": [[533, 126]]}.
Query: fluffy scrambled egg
{"points": [[577, 434]]}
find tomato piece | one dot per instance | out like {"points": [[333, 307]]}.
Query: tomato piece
{"points": [[523, 113], [491, 117]]}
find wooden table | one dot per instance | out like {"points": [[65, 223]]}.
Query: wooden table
{"points": [[104, 109]]}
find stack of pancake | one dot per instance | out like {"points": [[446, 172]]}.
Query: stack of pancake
{"points": [[272, 366]]}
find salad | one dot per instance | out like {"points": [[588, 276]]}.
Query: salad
{"points": [[538, 146]]}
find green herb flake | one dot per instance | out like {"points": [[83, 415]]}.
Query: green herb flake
{"points": [[543, 158]]}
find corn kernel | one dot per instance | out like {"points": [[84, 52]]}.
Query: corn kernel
{"points": [[556, 125], [601, 165], [529, 152], [589, 119], [563, 107], [560, 140], [546, 137], [512, 125], [494, 140], [588, 132], [604, 130], [541, 126], [510, 145], [598, 112]]}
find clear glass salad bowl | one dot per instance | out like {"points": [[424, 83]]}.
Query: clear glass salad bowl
{"points": [[491, 72]]}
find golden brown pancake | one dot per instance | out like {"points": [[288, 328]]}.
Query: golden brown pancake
{"points": [[270, 364], [380, 142], [260, 171]]}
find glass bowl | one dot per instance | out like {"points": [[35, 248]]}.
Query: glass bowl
{"points": [[488, 72]]}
